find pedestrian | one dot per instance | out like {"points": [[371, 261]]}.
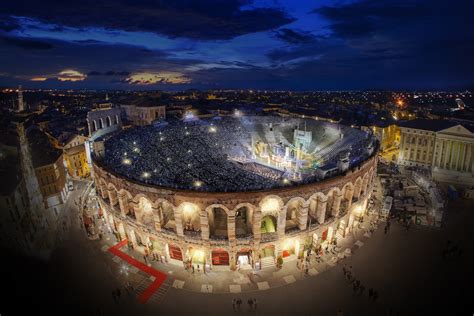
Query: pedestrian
{"points": [[118, 292], [344, 270], [375, 295], [234, 302], [145, 259], [114, 296], [250, 302], [239, 302], [192, 266], [361, 290], [255, 303], [371, 292]]}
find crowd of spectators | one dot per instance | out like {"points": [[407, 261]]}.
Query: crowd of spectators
{"points": [[209, 155]]}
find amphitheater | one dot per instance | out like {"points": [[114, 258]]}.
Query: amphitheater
{"points": [[227, 193]]}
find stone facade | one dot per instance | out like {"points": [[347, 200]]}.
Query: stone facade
{"points": [[177, 224]]}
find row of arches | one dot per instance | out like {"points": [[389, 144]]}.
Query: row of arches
{"points": [[271, 217], [102, 123]]}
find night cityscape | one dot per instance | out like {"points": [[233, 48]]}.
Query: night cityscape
{"points": [[238, 157]]}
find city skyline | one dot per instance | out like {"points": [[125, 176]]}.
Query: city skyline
{"points": [[274, 45]]}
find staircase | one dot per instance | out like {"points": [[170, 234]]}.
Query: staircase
{"points": [[267, 262]]}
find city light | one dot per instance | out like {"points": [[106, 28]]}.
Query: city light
{"points": [[212, 129], [127, 161]]}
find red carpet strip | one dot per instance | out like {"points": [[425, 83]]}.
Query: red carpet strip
{"points": [[160, 277]]}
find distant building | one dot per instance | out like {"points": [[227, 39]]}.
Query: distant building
{"points": [[144, 115], [387, 134], [444, 146], [75, 157]]}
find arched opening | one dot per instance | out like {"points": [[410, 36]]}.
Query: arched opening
{"points": [[291, 248], [269, 224], [243, 221], [109, 121], [191, 220], [220, 223], [166, 213], [244, 259], [145, 214], [101, 123], [116, 119], [292, 210], [197, 258], [94, 123], [220, 257], [121, 231], [347, 195]]}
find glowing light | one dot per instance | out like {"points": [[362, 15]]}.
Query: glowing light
{"points": [[136, 149], [198, 184], [189, 209], [238, 113], [286, 181], [212, 129], [146, 175], [127, 161], [270, 205]]}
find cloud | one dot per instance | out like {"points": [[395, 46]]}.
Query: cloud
{"points": [[25, 43], [293, 36], [204, 19], [151, 78], [109, 73], [71, 75]]}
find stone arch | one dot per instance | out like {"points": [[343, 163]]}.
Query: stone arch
{"points": [[103, 188], [347, 196], [365, 182], [317, 208], [101, 123], [94, 124], [334, 197], [124, 198], [116, 119], [166, 213], [357, 188], [218, 217], [294, 209], [145, 211], [273, 213], [243, 219], [190, 217], [108, 120], [113, 194]]}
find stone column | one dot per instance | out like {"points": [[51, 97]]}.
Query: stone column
{"points": [[231, 226], [178, 219], [156, 219], [349, 194], [204, 220], [365, 183], [232, 259], [302, 217], [357, 189], [123, 204], [281, 222], [257, 223], [321, 208], [336, 204], [112, 197]]}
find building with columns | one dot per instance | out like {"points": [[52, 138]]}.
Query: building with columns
{"points": [[443, 146]]}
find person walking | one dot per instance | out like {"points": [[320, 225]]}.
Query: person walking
{"points": [[234, 302], [250, 302], [371, 292], [255, 303], [239, 302], [114, 296]]}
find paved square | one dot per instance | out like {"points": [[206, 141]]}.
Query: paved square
{"points": [[116, 259], [289, 279], [178, 284], [235, 288], [263, 285], [105, 248], [134, 269], [206, 288], [359, 243], [313, 271]]}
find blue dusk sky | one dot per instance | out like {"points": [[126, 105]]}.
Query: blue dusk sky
{"points": [[232, 44]]}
